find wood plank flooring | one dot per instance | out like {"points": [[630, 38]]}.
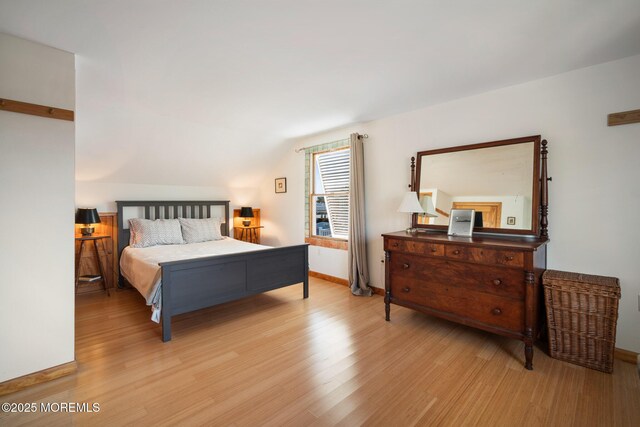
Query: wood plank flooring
{"points": [[278, 360]]}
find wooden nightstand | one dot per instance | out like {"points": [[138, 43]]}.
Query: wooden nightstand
{"points": [[102, 266], [250, 233]]}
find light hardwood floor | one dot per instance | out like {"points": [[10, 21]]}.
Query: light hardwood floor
{"points": [[276, 359]]}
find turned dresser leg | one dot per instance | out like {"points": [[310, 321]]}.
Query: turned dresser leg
{"points": [[528, 355], [387, 285], [531, 308], [387, 305]]}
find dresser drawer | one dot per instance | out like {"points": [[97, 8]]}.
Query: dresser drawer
{"points": [[485, 256], [493, 256], [486, 308], [507, 282], [411, 246], [456, 252]]}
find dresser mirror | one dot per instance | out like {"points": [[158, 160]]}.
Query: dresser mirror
{"points": [[500, 180]]}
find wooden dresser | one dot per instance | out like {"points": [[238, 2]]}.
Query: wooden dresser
{"points": [[491, 283]]}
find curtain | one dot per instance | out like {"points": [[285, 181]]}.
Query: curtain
{"points": [[357, 248]]}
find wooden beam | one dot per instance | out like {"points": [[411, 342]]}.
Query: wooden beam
{"points": [[25, 381], [36, 110], [623, 118]]}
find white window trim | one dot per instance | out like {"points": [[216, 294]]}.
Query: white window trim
{"points": [[335, 223]]}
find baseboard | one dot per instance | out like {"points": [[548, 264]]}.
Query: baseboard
{"points": [[378, 291], [625, 355], [16, 384], [340, 281], [328, 278]]}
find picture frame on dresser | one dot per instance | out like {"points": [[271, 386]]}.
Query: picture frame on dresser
{"points": [[461, 222], [491, 280]]}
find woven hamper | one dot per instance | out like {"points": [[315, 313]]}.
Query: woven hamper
{"points": [[582, 312]]}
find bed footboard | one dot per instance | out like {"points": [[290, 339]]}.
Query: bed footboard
{"points": [[190, 285]]}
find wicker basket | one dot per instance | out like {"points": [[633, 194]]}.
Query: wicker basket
{"points": [[582, 312]]}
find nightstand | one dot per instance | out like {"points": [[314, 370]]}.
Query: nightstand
{"points": [[249, 234], [93, 239]]}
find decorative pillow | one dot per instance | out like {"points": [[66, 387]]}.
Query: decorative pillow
{"points": [[146, 232], [195, 230]]}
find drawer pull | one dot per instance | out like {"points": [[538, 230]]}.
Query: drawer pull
{"points": [[456, 252], [508, 258], [434, 250], [395, 244], [405, 265], [496, 311], [497, 282], [405, 289]]}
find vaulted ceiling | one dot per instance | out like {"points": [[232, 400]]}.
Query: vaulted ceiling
{"points": [[204, 92]]}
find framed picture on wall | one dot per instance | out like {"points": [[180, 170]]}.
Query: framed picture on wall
{"points": [[461, 222], [281, 185]]}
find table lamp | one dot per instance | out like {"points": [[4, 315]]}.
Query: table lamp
{"points": [[246, 212], [87, 217], [428, 207], [410, 205]]}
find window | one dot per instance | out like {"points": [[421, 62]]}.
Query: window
{"points": [[329, 195]]}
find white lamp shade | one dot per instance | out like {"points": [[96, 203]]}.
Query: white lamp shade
{"points": [[410, 203], [429, 209]]}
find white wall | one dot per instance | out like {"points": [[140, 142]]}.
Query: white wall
{"points": [[36, 195], [282, 214], [103, 195], [589, 162]]}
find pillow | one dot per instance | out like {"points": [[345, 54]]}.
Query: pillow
{"points": [[195, 230], [146, 232]]}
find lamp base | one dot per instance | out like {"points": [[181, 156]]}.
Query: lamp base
{"points": [[246, 222], [87, 231]]}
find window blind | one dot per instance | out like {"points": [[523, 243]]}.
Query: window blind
{"points": [[334, 172]]}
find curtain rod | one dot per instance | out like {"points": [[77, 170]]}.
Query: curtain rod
{"points": [[297, 150]]}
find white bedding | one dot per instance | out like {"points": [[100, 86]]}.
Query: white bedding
{"points": [[140, 265]]}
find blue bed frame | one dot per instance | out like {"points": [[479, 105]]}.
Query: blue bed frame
{"points": [[190, 285]]}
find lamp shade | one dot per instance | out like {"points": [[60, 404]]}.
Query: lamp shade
{"points": [[410, 203], [246, 212], [429, 209], [87, 216]]}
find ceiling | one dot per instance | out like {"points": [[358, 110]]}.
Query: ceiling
{"points": [[185, 92]]}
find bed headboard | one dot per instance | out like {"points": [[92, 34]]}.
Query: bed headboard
{"points": [[168, 210]]}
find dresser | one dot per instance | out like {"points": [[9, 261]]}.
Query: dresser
{"points": [[490, 283]]}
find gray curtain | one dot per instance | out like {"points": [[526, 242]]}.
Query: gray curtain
{"points": [[357, 248]]}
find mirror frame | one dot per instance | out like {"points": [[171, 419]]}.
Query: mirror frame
{"points": [[536, 201]]}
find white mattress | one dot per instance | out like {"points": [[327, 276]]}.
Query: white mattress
{"points": [[140, 266]]}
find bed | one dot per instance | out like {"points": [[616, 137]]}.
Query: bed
{"points": [[203, 280]]}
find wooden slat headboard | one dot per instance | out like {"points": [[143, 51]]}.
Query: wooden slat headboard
{"points": [[169, 210]]}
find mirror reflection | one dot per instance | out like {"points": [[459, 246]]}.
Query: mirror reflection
{"points": [[495, 181]]}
